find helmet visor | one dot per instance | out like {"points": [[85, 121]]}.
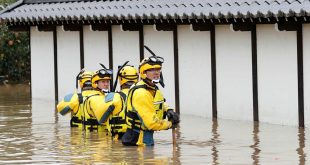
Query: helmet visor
{"points": [[105, 73], [156, 59]]}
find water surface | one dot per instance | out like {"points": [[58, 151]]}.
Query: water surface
{"points": [[33, 133]]}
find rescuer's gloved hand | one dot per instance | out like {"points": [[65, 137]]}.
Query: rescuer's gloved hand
{"points": [[173, 117]]}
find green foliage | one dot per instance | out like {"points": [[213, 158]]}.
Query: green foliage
{"points": [[4, 3], [14, 53]]}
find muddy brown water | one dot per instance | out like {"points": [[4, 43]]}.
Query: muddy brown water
{"points": [[31, 132]]}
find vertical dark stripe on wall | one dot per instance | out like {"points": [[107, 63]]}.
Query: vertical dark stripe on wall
{"points": [[254, 73], [141, 42], [213, 72], [55, 65], [82, 47], [29, 35], [300, 76], [110, 52], [176, 68]]}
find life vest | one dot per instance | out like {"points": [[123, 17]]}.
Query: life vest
{"points": [[144, 115], [97, 108], [159, 104], [89, 121], [77, 119], [75, 103], [102, 107], [132, 119], [117, 123]]}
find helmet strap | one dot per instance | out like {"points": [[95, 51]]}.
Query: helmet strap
{"points": [[156, 81], [149, 82], [105, 90]]}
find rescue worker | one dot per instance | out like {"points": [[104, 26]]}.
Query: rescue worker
{"points": [[146, 108], [128, 75], [94, 107], [74, 102], [100, 82], [86, 90], [99, 108]]}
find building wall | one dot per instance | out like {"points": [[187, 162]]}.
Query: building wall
{"points": [[277, 76], [306, 58], [233, 73], [161, 42], [277, 67], [194, 72], [96, 49], [42, 64], [125, 48], [68, 60]]}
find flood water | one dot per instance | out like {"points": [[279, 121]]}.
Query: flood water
{"points": [[31, 132]]}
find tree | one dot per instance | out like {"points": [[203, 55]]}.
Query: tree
{"points": [[14, 53]]}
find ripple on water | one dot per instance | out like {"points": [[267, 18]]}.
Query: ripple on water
{"points": [[36, 134]]}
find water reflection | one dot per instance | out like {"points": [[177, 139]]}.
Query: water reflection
{"points": [[32, 132], [300, 150], [255, 146], [15, 121], [176, 149], [215, 140]]}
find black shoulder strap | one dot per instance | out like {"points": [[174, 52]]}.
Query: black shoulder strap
{"points": [[123, 95], [80, 96]]}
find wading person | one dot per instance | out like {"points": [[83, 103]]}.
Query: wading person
{"points": [[86, 90], [146, 108], [93, 106], [128, 75], [100, 82], [100, 108], [74, 103]]}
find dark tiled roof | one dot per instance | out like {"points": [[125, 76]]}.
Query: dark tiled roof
{"points": [[55, 10]]}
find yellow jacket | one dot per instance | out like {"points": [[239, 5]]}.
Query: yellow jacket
{"points": [[141, 101], [74, 103], [117, 122], [92, 107], [103, 106]]}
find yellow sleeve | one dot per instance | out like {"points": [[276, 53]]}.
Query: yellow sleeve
{"points": [[118, 103], [68, 104], [143, 103]]}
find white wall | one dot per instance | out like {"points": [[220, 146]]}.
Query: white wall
{"points": [[277, 76], [306, 42], [195, 72], [125, 48], [42, 64], [161, 43], [68, 60], [96, 49], [234, 74]]}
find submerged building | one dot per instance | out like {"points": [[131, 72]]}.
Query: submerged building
{"points": [[240, 60]]}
